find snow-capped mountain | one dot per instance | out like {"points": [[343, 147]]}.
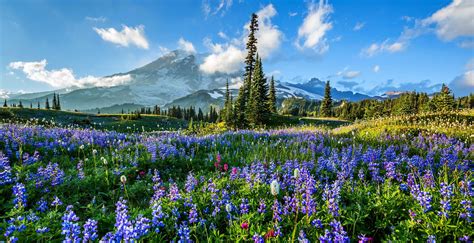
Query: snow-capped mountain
{"points": [[174, 79]]}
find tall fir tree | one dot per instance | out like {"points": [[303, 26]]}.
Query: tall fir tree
{"points": [[5, 103], [228, 110], [257, 109], [55, 104], [326, 104], [244, 91], [58, 103], [272, 97], [46, 105], [20, 104], [39, 106]]}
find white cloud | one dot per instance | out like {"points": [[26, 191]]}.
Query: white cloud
{"points": [[224, 59], [454, 20], [268, 35], [376, 68], [386, 46], [292, 14], [358, 26], [96, 19], [311, 33], [213, 7], [222, 35], [186, 45], [127, 36], [348, 74], [463, 85], [229, 57], [468, 44], [64, 78], [351, 74]]}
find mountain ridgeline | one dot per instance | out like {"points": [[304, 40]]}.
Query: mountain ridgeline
{"points": [[171, 80]]}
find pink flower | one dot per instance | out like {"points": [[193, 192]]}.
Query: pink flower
{"points": [[226, 167], [244, 226], [234, 170]]}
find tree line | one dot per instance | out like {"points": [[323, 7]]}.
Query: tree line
{"points": [[55, 106]]}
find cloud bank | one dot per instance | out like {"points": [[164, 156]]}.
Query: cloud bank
{"points": [[126, 37], [64, 78]]}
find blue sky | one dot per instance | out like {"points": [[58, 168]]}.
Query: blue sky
{"points": [[367, 46]]}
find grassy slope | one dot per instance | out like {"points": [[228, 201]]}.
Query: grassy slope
{"points": [[102, 121]]}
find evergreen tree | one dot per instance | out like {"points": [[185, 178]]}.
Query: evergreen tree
{"points": [[31, 105], [20, 105], [58, 103], [445, 100], [5, 103], [257, 110], [39, 106], [244, 91], [326, 104], [46, 106], [55, 104], [272, 97], [200, 115], [227, 111]]}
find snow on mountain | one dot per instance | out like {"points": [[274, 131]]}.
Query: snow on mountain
{"points": [[175, 79]]}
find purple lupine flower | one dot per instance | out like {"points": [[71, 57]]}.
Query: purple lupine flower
{"points": [[142, 225], [80, 170], [19, 191], [174, 192], [257, 238], [244, 206], [90, 230], [261, 207], [302, 237], [276, 211], [42, 205], [159, 192], [56, 202], [70, 228], [158, 215], [191, 183], [5, 170], [467, 210], [193, 215], [184, 233], [446, 192], [424, 199], [123, 226], [42, 230], [428, 179], [317, 223], [431, 239]]}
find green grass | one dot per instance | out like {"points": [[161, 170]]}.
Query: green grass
{"points": [[117, 122]]}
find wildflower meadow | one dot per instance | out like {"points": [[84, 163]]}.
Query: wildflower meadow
{"points": [[83, 185]]}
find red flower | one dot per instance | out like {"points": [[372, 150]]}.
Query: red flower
{"points": [[141, 173], [244, 226], [270, 234], [226, 167]]}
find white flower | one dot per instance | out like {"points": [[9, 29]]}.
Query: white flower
{"points": [[123, 179], [228, 207], [296, 173], [275, 187]]}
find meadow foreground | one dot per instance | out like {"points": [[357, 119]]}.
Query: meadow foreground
{"points": [[85, 185]]}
